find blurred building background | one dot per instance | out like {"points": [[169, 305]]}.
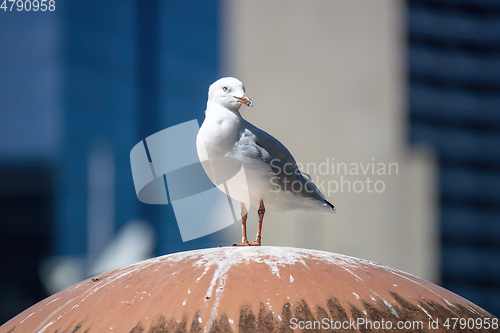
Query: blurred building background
{"points": [[413, 83], [454, 107]]}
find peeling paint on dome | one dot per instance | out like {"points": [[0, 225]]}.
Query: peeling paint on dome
{"points": [[240, 289]]}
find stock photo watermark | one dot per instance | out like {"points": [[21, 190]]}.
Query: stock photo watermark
{"points": [[28, 5], [364, 324], [167, 170], [344, 177]]}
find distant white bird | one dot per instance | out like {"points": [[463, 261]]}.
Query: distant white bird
{"points": [[226, 143]]}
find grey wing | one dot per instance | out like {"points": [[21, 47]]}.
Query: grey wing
{"points": [[259, 144], [256, 143]]}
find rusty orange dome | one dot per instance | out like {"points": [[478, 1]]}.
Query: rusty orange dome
{"points": [[251, 289]]}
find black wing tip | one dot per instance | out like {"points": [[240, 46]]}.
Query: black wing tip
{"points": [[330, 205]]}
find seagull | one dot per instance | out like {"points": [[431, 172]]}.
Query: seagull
{"points": [[227, 143]]}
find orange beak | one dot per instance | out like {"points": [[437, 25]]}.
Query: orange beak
{"points": [[245, 100]]}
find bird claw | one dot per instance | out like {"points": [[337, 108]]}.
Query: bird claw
{"points": [[256, 243], [242, 244]]}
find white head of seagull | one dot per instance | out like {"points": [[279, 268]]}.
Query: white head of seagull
{"points": [[229, 93]]}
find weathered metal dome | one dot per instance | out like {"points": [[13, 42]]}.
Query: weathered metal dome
{"points": [[250, 289]]}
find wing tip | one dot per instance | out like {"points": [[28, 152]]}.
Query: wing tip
{"points": [[331, 206]]}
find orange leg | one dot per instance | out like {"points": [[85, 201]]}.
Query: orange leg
{"points": [[244, 214], [261, 212]]}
